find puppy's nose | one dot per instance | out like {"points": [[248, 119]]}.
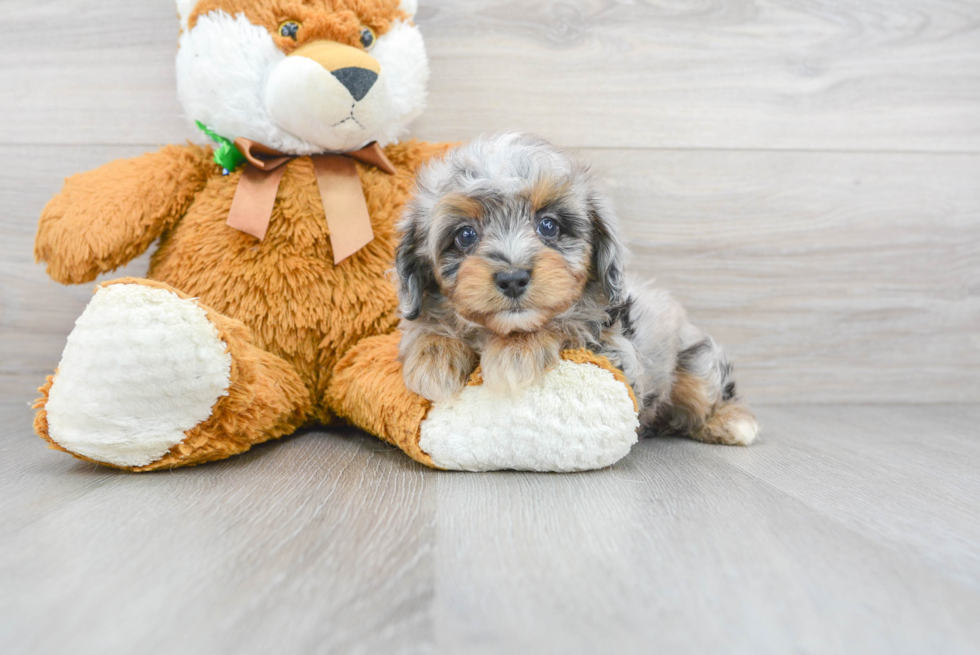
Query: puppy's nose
{"points": [[513, 283], [357, 80]]}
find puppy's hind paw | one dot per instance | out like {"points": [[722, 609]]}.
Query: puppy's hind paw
{"points": [[731, 424]]}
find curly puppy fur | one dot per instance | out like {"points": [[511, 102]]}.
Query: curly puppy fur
{"points": [[509, 254]]}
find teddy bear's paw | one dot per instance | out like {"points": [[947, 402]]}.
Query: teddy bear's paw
{"points": [[141, 367], [577, 417]]}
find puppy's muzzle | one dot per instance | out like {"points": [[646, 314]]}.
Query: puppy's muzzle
{"points": [[513, 283]]}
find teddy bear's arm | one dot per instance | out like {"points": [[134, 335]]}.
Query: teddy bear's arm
{"points": [[105, 218]]}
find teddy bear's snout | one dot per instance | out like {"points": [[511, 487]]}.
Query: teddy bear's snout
{"points": [[354, 68], [329, 94]]}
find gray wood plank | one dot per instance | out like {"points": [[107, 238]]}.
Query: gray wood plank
{"points": [[314, 544], [825, 464], [849, 75], [676, 551], [846, 530], [828, 277]]}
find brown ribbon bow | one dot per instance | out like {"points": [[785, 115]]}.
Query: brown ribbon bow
{"points": [[340, 191]]}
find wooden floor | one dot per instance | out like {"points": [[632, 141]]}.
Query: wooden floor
{"points": [[847, 530]]}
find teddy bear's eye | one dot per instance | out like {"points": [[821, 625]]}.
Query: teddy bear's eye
{"points": [[368, 38], [289, 29]]}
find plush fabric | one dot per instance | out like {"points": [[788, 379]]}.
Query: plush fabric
{"points": [[107, 217], [262, 397], [369, 392], [232, 341], [142, 367], [552, 426], [292, 104], [297, 304]]}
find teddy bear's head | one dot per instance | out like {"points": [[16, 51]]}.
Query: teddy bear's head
{"points": [[302, 76]]}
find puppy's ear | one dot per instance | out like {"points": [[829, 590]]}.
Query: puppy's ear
{"points": [[609, 255], [414, 270]]}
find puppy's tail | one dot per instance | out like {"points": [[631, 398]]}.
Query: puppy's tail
{"points": [[704, 403]]}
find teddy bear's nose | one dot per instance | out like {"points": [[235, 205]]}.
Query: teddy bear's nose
{"points": [[357, 80]]}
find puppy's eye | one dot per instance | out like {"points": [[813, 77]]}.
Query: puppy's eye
{"points": [[548, 228], [368, 38], [289, 29], [466, 237]]}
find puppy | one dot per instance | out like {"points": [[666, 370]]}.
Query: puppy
{"points": [[510, 254]]}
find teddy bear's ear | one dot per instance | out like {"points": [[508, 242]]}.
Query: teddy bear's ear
{"points": [[410, 7], [184, 9]]}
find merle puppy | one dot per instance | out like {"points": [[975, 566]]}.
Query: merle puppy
{"points": [[510, 254]]}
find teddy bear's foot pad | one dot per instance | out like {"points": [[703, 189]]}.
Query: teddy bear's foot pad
{"points": [[579, 417], [142, 367]]}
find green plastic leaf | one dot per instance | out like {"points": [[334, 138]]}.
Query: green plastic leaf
{"points": [[226, 154]]}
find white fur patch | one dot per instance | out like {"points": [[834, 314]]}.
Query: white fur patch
{"points": [[233, 78], [141, 368], [744, 431], [410, 7], [405, 74], [577, 418], [223, 65], [184, 10]]}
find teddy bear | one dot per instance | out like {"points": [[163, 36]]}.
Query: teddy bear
{"points": [[268, 305]]}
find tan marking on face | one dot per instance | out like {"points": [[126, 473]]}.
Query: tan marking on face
{"points": [[554, 288], [475, 296], [546, 191], [331, 20], [450, 209], [457, 205]]}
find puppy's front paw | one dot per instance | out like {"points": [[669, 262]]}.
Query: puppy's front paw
{"points": [[436, 367], [515, 362]]}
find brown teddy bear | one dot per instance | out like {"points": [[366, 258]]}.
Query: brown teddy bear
{"points": [[268, 304]]}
